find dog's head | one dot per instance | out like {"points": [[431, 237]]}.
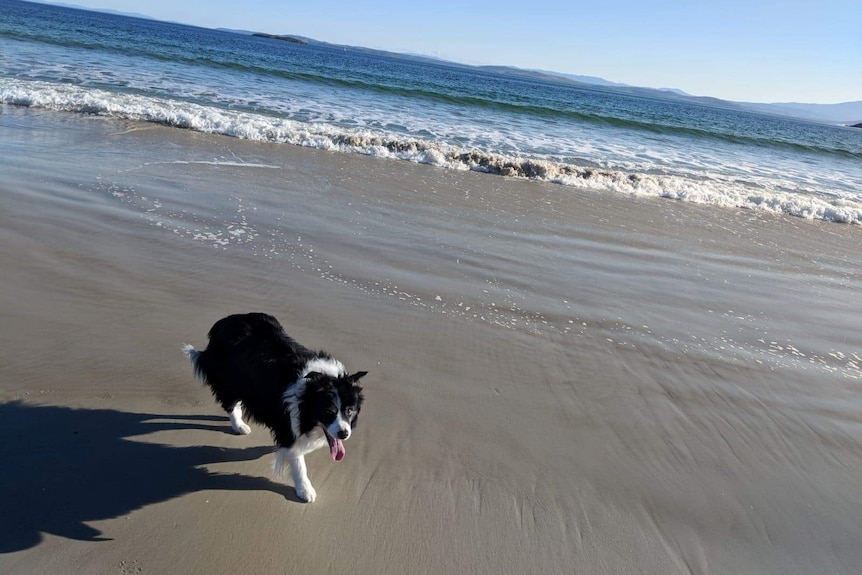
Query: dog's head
{"points": [[333, 403]]}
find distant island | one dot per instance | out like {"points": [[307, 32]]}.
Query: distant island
{"points": [[859, 125], [293, 39]]}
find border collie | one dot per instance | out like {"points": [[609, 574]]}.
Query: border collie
{"points": [[306, 398]]}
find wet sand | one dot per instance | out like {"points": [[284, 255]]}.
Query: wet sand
{"points": [[560, 381]]}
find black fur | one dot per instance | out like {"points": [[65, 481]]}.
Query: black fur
{"points": [[251, 359]]}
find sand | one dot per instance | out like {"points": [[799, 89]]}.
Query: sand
{"points": [[614, 400]]}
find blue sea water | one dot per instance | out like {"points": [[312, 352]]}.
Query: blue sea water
{"points": [[455, 117]]}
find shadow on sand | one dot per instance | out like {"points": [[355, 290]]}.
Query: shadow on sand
{"points": [[61, 468]]}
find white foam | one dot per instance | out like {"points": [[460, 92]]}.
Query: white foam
{"points": [[217, 163], [685, 176]]}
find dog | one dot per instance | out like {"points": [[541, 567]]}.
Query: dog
{"points": [[306, 398]]}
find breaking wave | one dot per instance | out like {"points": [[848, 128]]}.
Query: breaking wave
{"points": [[702, 188]]}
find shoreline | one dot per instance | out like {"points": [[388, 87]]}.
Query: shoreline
{"points": [[719, 187]]}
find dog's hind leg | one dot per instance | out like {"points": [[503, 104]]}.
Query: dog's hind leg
{"points": [[296, 461], [236, 422]]}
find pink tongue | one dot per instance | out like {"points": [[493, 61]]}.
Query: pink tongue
{"points": [[336, 449]]}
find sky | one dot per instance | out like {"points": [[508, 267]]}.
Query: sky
{"points": [[741, 50]]}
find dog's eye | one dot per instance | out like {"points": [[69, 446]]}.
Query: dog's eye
{"points": [[350, 412]]}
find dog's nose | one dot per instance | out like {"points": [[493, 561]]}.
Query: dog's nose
{"points": [[343, 433]]}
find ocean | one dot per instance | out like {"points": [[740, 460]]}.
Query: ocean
{"points": [[453, 117]]}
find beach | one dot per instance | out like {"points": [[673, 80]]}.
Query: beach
{"points": [[560, 381]]}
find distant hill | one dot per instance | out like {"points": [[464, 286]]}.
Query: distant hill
{"points": [[600, 83], [594, 80], [102, 10], [294, 39], [591, 80], [676, 91]]}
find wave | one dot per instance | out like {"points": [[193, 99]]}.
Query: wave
{"points": [[708, 189], [496, 97]]}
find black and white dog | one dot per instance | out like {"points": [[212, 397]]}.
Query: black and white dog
{"points": [[306, 398]]}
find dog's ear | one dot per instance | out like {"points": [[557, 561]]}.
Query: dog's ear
{"points": [[356, 376]]}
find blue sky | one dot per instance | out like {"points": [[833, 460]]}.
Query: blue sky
{"points": [[754, 50]]}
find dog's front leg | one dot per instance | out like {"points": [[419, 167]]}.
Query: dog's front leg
{"points": [[304, 490], [298, 471]]}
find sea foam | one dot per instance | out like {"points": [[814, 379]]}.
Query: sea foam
{"points": [[712, 189]]}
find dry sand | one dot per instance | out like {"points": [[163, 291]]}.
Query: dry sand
{"points": [[482, 448]]}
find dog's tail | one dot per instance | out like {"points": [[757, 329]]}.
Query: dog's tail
{"points": [[195, 357]]}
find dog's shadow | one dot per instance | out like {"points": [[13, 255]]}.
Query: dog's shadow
{"points": [[62, 467]]}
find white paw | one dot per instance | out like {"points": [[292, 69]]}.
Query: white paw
{"points": [[306, 492], [241, 428]]}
